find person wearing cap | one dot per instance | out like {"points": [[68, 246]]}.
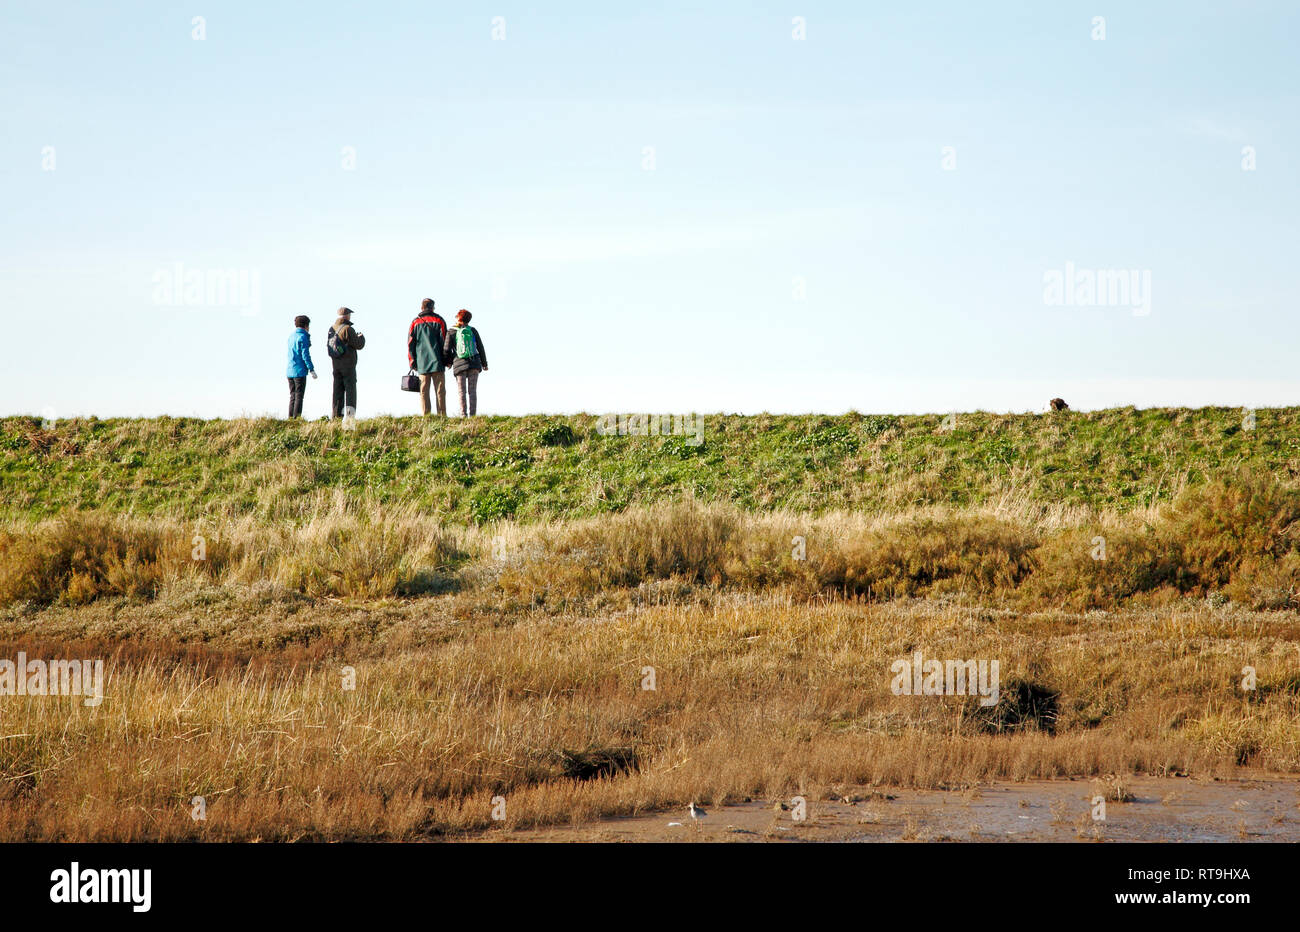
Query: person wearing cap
{"points": [[464, 347], [300, 364], [347, 340], [424, 351]]}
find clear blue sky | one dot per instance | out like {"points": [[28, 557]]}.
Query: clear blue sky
{"points": [[508, 177]]}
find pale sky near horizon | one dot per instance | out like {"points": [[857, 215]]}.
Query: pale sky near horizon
{"points": [[676, 208]]}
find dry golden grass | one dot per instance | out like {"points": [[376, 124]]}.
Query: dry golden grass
{"points": [[81, 557], [755, 697], [1238, 541], [509, 660]]}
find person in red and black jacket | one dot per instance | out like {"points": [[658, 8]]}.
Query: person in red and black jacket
{"points": [[425, 352]]}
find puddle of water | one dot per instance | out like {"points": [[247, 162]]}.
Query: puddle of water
{"points": [[1161, 809]]}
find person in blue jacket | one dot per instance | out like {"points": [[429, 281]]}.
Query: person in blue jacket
{"points": [[299, 363]]}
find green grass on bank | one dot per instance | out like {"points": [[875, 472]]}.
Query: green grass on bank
{"points": [[539, 467]]}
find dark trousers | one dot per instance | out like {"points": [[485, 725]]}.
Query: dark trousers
{"points": [[345, 392], [297, 387]]}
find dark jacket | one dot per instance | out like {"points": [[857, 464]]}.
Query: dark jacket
{"points": [[425, 343], [459, 366], [349, 337]]}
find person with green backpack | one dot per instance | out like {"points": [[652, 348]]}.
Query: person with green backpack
{"points": [[464, 347]]}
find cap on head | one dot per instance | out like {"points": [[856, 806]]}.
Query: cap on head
{"points": [[345, 312]]}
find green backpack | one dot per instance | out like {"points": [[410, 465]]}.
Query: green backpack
{"points": [[465, 348]]}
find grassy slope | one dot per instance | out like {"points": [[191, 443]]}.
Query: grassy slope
{"points": [[494, 684], [499, 466]]}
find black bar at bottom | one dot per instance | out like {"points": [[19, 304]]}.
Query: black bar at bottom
{"points": [[940, 881]]}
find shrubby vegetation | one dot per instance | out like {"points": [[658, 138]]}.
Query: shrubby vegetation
{"points": [[1237, 539]]}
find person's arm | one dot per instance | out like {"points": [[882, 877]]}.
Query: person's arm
{"points": [[482, 353], [305, 346], [448, 351], [410, 344], [358, 340]]}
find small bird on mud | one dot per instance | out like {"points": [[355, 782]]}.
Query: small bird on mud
{"points": [[696, 812]]}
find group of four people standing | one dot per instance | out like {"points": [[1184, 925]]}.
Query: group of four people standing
{"points": [[431, 349]]}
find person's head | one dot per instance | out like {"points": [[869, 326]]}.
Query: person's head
{"points": [[426, 306], [463, 317], [346, 314], [302, 321]]}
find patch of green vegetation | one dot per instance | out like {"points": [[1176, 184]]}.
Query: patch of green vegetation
{"points": [[556, 435], [681, 446], [562, 467], [492, 504], [876, 424], [513, 454], [834, 439]]}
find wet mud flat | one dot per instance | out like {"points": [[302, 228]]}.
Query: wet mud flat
{"points": [[1136, 809]]}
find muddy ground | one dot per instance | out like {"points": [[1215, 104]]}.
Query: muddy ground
{"points": [[1169, 809]]}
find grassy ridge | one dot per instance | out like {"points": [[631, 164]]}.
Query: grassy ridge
{"points": [[538, 468]]}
